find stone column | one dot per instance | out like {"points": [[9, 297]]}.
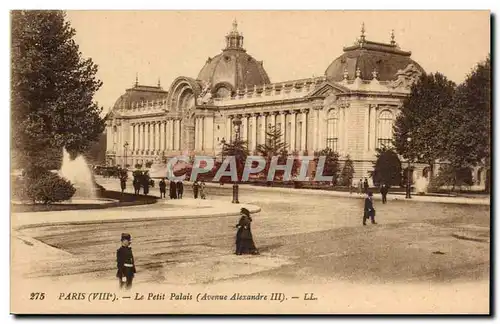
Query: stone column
{"points": [[292, 130], [366, 125], [272, 119], [373, 127], [244, 127], [283, 126], [171, 134], [155, 135], [304, 130], [109, 137], [131, 139], [228, 129], [208, 134], [143, 137], [196, 133], [162, 135], [321, 129], [202, 133], [315, 129], [178, 131], [253, 135], [262, 118]]}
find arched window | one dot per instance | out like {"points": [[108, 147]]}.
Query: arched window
{"points": [[384, 128], [332, 130]]}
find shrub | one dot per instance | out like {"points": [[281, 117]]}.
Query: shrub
{"points": [[48, 187], [138, 166], [149, 164]]}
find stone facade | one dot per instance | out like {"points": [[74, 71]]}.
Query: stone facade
{"points": [[352, 113]]}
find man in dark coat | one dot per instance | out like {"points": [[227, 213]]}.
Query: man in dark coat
{"points": [[145, 184], [163, 188], [180, 189], [365, 185], [173, 190], [196, 187], [137, 186], [125, 262], [123, 183], [384, 189], [369, 211]]}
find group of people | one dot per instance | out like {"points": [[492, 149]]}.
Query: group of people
{"points": [[176, 189]]}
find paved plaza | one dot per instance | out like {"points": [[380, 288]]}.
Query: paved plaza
{"points": [[304, 238]]}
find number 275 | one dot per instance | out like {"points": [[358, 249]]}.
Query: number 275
{"points": [[37, 296]]}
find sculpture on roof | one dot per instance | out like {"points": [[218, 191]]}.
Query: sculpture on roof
{"points": [[205, 95], [406, 78]]}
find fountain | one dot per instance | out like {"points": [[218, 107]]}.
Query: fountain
{"points": [[79, 174], [421, 185]]}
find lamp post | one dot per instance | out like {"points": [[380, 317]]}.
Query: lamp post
{"points": [[408, 180], [125, 147], [237, 124]]}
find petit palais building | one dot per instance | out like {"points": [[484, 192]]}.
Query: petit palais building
{"points": [[351, 108]]}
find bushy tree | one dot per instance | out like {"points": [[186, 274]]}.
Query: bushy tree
{"points": [[148, 164], [421, 118], [387, 167], [332, 165], [347, 173], [239, 149], [52, 89], [450, 176], [466, 127], [48, 187]]}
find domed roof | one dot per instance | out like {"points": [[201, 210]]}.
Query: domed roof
{"points": [[234, 66], [367, 56], [138, 94]]}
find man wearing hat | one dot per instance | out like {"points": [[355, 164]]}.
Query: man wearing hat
{"points": [[369, 211], [125, 262]]}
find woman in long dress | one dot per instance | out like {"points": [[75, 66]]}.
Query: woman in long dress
{"points": [[244, 238]]}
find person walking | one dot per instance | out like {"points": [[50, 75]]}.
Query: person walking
{"points": [[196, 187], [180, 189], [384, 189], [365, 185], [125, 262], [123, 183], [163, 188], [145, 184], [202, 190], [137, 186], [369, 211], [244, 238], [172, 190], [360, 187]]}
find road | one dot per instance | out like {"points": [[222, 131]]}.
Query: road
{"points": [[308, 239]]}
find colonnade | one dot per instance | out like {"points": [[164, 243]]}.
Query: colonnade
{"points": [[155, 136]]}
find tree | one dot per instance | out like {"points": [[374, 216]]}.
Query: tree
{"points": [[466, 130], [239, 149], [48, 187], [421, 118], [387, 167], [273, 146], [347, 173], [52, 88], [450, 176], [332, 165]]}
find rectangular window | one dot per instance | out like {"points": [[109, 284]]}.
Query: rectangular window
{"points": [[331, 143]]}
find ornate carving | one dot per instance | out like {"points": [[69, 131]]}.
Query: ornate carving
{"points": [[205, 95], [406, 78]]}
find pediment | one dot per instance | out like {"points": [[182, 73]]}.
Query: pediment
{"points": [[327, 89]]}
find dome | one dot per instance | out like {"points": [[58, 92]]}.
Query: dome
{"points": [[367, 56], [138, 94], [233, 68]]}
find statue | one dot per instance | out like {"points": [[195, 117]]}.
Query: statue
{"points": [[406, 78], [205, 95]]}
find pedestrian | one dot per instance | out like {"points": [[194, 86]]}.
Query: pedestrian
{"points": [[145, 184], [137, 186], [180, 189], [244, 238], [202, 190], [163, 188], [196, 187], [365, 185], [360, 187], [125, 262], [123, 183], [369, 211], [173, 190], [384, 189]]}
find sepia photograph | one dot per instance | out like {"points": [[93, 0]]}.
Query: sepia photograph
{"points": [[250, 162]]}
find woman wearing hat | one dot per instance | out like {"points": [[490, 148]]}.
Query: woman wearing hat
{"points": [[244, 238]]}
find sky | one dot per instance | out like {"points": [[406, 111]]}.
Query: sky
{"points": [[293, 44]]}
